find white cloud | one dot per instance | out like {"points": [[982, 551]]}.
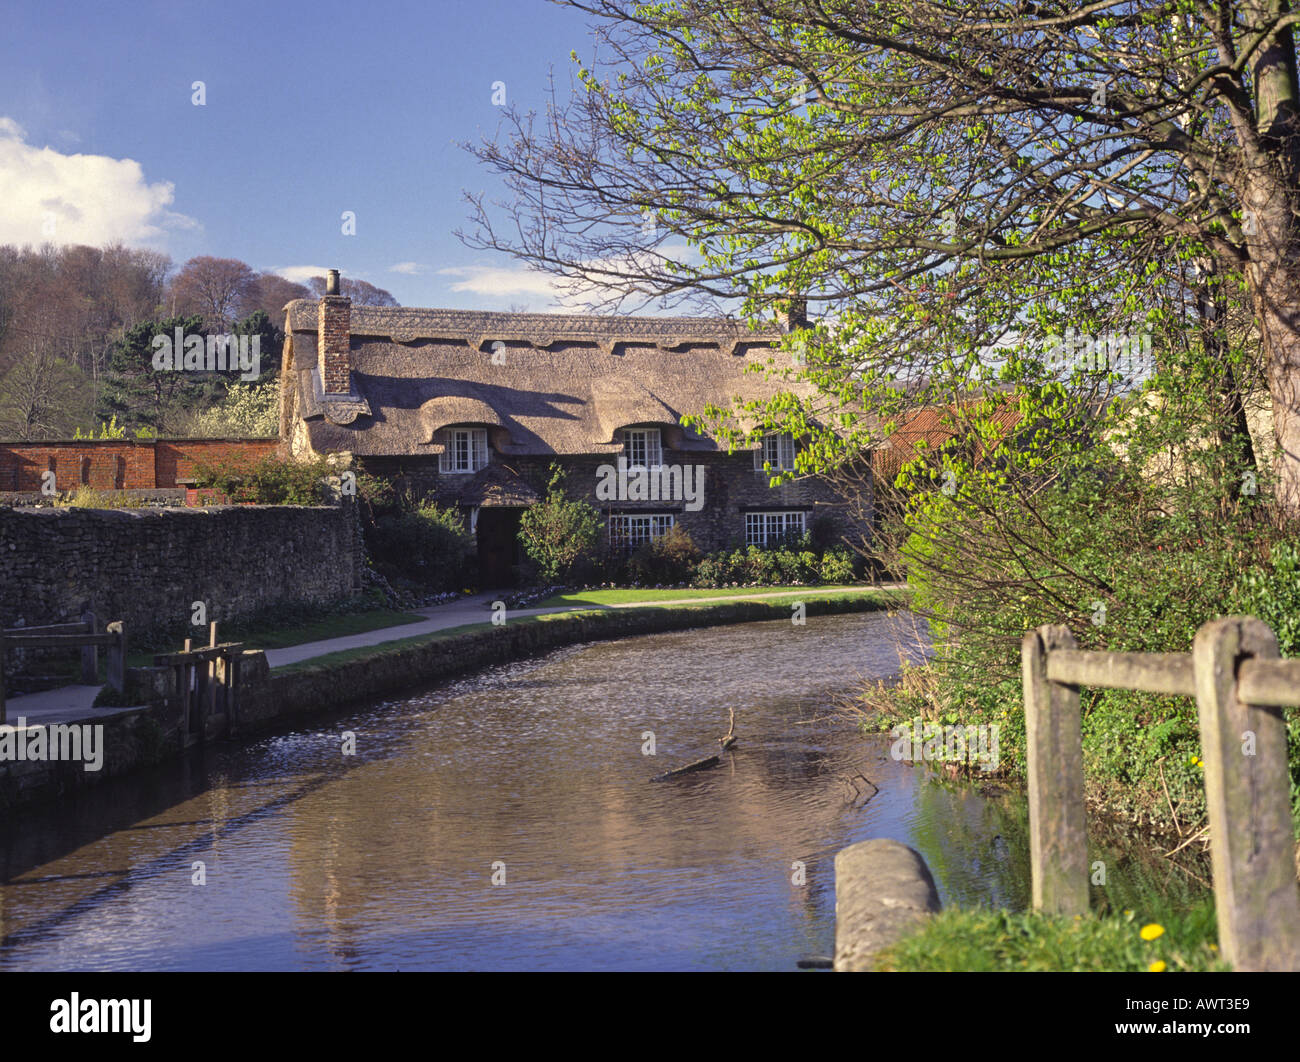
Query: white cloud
{"points": [[498, 283], [49, 197], [300, 274], [410, 269], [561, 295]]}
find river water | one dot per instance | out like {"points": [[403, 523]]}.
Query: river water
{"points": [[507, 821]]}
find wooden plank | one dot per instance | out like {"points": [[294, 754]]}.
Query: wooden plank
{"points": [[1273, 683], [1058, 842], [52, 628], [1247, 793], [197, 655], [57, 641], [1169, 673]]}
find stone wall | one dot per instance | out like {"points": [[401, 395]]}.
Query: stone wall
{"points": [[148, 566]]}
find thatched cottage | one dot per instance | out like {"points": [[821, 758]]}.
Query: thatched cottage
{"points": [[472, 408]]}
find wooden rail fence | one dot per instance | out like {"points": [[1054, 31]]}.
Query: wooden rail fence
{"points": [[207, 683], [1240, 686], [84, 635]]}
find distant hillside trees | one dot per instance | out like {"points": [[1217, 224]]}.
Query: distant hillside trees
{"points": [[77, 325]]}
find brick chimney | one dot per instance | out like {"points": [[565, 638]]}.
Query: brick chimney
{"points": [[335, 338], [794, 313]]}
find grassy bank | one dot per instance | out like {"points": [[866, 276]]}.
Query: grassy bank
{"points": [[297, 629], [597, 623], [624, 596], [987, 941]]}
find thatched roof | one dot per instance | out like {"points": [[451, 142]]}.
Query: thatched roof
{"points": [[543, 383]]}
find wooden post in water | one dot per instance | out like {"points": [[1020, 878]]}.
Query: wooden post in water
{"points": [[1058, 843], [117, 656], [90, 653], [213, 676], [1247, 792]]}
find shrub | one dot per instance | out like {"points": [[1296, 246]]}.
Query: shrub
{"points": [[836, 566], [427, 544], [670, 558], [89, 498], [269, 481], [558, 534]]}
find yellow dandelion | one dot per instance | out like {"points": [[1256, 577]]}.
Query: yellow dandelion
{"points": [[1157, 967], [1151, 931]]}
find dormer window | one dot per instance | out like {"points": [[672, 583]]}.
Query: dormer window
{"points": [[776, 453], [643, 448], [464, 450]]}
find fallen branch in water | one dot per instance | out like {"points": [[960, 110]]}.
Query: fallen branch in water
{"points": [[726, 741]]}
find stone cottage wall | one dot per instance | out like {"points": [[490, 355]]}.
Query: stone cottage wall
{"points": [[148, 566], [732, 487]]}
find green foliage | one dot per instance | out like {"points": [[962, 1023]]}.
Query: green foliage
{"points": [[559, 534], [668, 559], [107, 430], [1271, 592], [268, 481], [837, 566], [425, 544], [90, 498], [999, 941], [147, 397], [797, 563]]}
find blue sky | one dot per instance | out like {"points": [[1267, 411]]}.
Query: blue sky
{"points": [[312, 109]]}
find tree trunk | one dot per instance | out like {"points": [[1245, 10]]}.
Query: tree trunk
{"points": [[1275, 292]]}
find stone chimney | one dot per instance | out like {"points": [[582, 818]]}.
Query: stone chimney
{"points": [[334, 340], [794, 313]]}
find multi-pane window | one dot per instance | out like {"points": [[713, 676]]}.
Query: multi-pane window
{"points": [[643, 448], [777, 452], [627, 531], [767, 529], [464, 450]]}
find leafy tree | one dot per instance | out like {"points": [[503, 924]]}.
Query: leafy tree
{"points": [[270, 339], [559, 533], [143, 396], [938, 181]]}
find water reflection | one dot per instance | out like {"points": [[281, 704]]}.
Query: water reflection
{"points": [[385, 859]]}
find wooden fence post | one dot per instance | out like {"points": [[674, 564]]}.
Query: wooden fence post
{"points": [[1247, 792], [117, 656], [1058, 841], [90, 653]]}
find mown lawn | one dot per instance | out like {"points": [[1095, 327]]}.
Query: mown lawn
{"points": [[623, 597]]}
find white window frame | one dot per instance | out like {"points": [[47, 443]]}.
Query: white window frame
{"points": [[650, 444], [778, 450], [464, 451], [630, 531], [769, 528]]}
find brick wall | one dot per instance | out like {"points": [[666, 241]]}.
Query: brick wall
{"points": [[117, 464]]}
